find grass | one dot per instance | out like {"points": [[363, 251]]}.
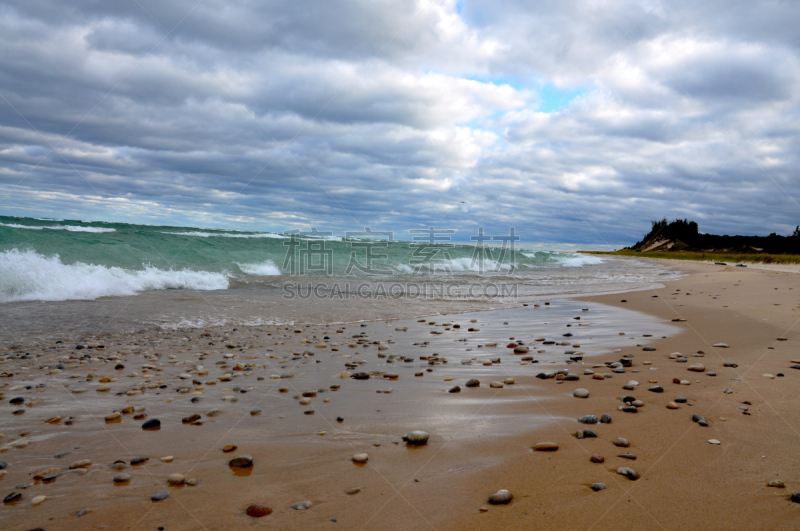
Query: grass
{"points": [[763, 258]]}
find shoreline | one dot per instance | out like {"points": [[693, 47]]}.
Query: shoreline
{"points": [[481, 438]]}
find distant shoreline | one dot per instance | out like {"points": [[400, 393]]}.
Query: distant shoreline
{"points": [[707, 256]]}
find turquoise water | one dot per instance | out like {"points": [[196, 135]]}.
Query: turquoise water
{"points": [[46, 259]]}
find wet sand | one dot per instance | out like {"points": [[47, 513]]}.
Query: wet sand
{"points": [[480, 437]]}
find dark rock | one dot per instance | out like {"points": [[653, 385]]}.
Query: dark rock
{"points": [[243, 461], [139, 460], [151, 424], [598, 486], [605, 419], [17, 400], [700, 419], [656, 389], [14, 496], [680, 400], [191, 418], [454, 389], [160, 495], [588, 419], [587, 433], [360, 376], [472, 383]]}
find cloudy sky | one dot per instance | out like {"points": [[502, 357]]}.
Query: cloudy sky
{"points": [[577, 122]]}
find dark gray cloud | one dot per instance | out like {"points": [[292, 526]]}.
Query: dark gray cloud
{"points": [[276, 115]]}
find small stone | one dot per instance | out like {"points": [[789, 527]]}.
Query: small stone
{"points": [[122, 478], [38, 500], [258, 510], [160, 495], [628, 456], [255, 412], [545, 447], [656, 389], [191, 418], [696, 367], [605, 419], [243, 461], [454, 389], [301, 505], [14, 496], [597, 458], [628, 473], [229, 448], [700, 419], [472, 383], [587, 433], [416, 438], [598, 486], [714, 441], [151, 424], [621, 442], [720, 345], [795, 497], [166, 459], [82, 512], [501, 497], [672, 405], [588, 419], [496, 385], [83, 463], [778, 484], [113, 416], [360, 458], [580, 393], [176, 479], [352, 491]]}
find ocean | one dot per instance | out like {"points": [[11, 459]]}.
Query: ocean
{"points": [[192, 277]]}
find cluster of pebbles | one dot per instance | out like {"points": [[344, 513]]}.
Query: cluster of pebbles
{"points": [[219, 366]]}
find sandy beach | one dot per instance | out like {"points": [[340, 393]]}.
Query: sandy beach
{"points": [[285, 396]]}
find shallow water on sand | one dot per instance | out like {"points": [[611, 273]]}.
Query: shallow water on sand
{"points": [[294, 461]]}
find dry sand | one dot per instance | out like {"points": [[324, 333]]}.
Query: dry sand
{"points": [[480, 438]]}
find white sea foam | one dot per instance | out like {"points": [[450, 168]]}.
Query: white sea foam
{"points": [[28, 276], [58, 227], [263, 269], [201, 234], [564, 259]]}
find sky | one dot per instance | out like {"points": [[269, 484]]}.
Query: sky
{"points": [[576, 122]]}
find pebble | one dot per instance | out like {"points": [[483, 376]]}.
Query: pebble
{"points": [[714, 441], [160, 495], [243, 461], [14, 496], [416, 438], [621, 442], [454, 389], [122, 478], [301, 505], [501, 497], [151, 424], [672, 405], [696, 367], [597, 458], [113, 416], [700, 419], [777, 484], [38, 500], [229, 447], [795, 497], [83, 463], [360, 458], [545, 447], [598, 486], [656, 389], [472, 383], [628, 473], [166, 459], [605, 419], [176, 479], [580, 393], [720, 345], [628, 456], [352, 491], [588, 419], [496, 385], [258, 510]]}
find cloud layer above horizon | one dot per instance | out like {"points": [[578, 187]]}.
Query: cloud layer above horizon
{"points": [[576, 122]]}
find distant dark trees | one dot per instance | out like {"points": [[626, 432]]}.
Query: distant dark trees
{"points": [[685, 235]]}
